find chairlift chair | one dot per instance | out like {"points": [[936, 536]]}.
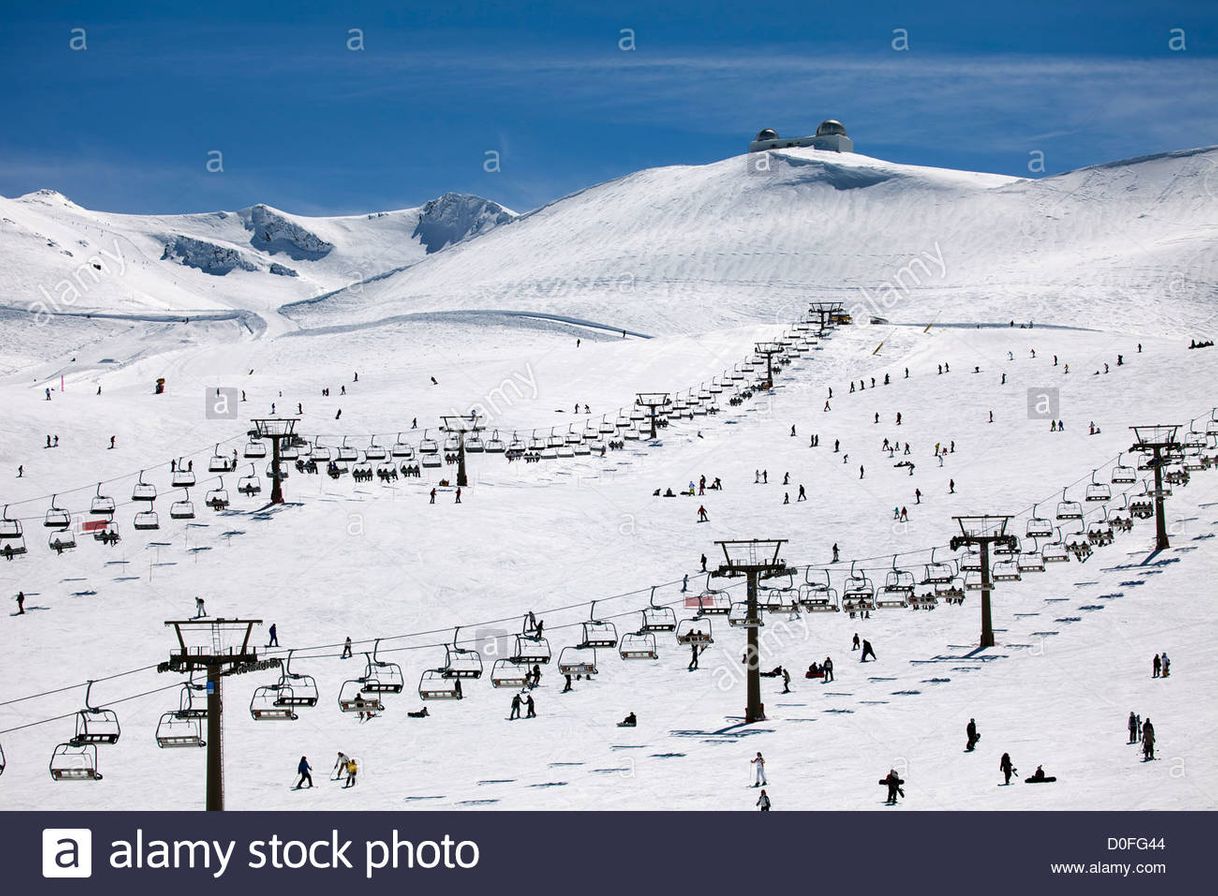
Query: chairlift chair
{"points": [[296, 688], [95, 725], [1123, 474], [657, 618], [401, 450], [175, 730], [638, 646], [1038, 526], [461, 662], [363, 468], [1031, 561], [347, 453], [1097, 491], [62, 540], [818, 596], [431, 460], [12, 538], [1069, 510], [57, 517], [494, 445], [221, 463], [182, 510], [383, 676], [182, 477], [435, 684], [321, 454], [780, 598], [143, 491], [711, 602], [254, 449], [250, 485], [1008, 548], [74, 762], [697, 630], [508, 674], [738, 616], [272, 703], [859, 591], [428, 445], [898, 588], [452, 444], [597, 632], [577, 661], [1006, 571], [101, 505], [289, 450], [937, 573], [536, 443], [1055, 551], [605, 427], [530, 651], [359, 695], [973, 580], [146, 521], [375, 452], [474, 444]]}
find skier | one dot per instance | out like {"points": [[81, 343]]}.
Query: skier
{"points": [[694, 652], [1007, 768], [893, 782], [828, 669], [685, 583], [433, 496], [970, 731], [1148, 741], [786, 681], [20, 603], [515, 708], [346, 649], [567, 686], [855, 645], [763, 802], [1133, 728], [758, 763], [802, 495], [835, 552], [704, 563], [352, 769], [1158, 667], [303, 769], [112, 438], [340, 766], [868, 651], [274, 633], [792, 432], [860, 471], [951, 486]]}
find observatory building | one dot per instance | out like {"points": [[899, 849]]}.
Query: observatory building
{"points": [[830, 135]]}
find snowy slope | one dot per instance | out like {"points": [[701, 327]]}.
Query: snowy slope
{"points": [[682, 248], [60, 257]]}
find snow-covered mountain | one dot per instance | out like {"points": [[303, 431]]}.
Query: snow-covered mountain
{"points": [[62, 258], [685, 248]]}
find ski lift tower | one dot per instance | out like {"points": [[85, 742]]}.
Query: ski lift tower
{"points": [[827, 312], [1161, 444], [984, 531], [755, 559], [654, 402], [769, 349], [459, 425], [219, 647], [277, 430]]}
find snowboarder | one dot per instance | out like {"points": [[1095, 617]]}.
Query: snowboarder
{"points": [[631, 721], [835, 552], [346, 649], [763, 802], [893, 782], [274, 633], [200, 609], [970, 731], [303, 769], [515, 707], [758, 763], [868, 651], [1007, 768], [1039, 777], [702, 517]]}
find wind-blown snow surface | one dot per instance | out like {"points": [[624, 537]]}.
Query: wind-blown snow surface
{"points": [[367, 560]]}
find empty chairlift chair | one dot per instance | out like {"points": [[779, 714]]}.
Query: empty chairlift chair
{"points": [[509, 674], [495, 445], [1031, 560], [143, 492], [738, 616], [1055, 550], [383, 677], [577, 661], [182, 476], [184, 509], [461, 662], [428, 445], [300, 689], [657, 618], [1098, 491], [474, 444], [101, 505], [347, 454], [1038, 526], [183, 727], [1123, 474], [1069, 510], [597, 632], [435, 684], [95, 725], [711, 602], [254, 448], [375, 452], [1006, 571], [74, 762], [146, 521], [638, 646], [898, 588], [273, 703], [57, 517], [782, 598], [817, 594], [937, 573]]}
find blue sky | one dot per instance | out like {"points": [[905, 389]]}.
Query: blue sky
{"points": [[310, 126]]}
